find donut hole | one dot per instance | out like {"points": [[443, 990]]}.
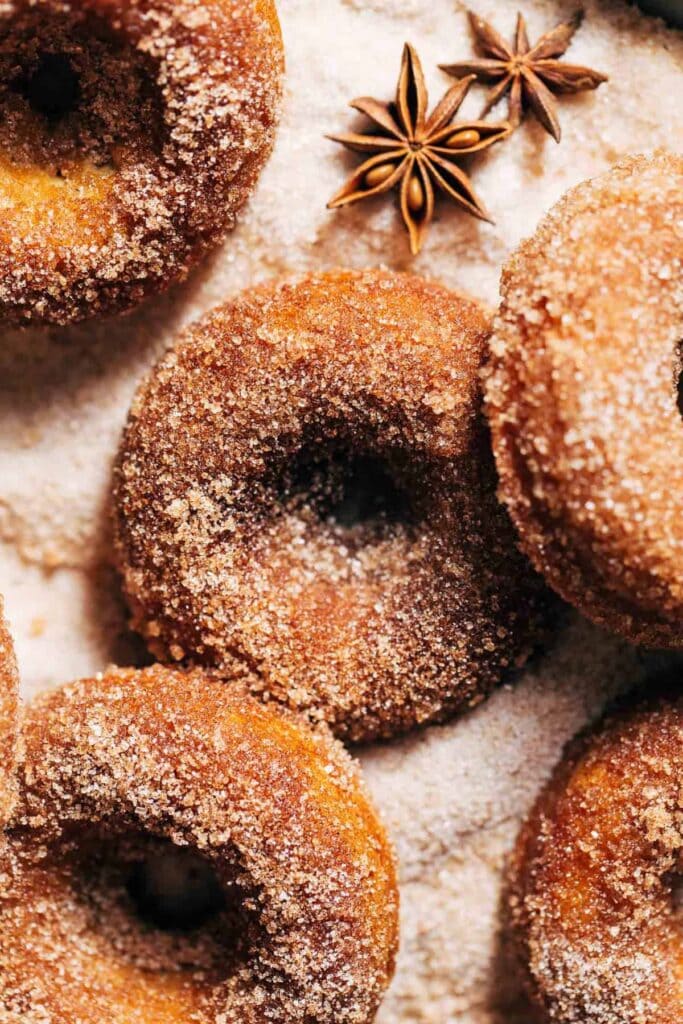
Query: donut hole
{"points": [[53, 89], [72, 92], [175, 890], [368, 494], [357, 494], [146, 904], [678, 377], [157, 899]]}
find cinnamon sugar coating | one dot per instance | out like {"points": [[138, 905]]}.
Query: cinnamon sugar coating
{"points": [[136, 765], [593, 902], [584, 398], [131, 132], [9, 715], [305, 485]]}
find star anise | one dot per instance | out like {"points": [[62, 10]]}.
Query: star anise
{"points": [[530, 73], [415, 152]]}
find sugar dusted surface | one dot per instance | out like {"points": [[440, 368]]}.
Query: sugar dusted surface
{"points": [[120, 195], [277, 811], [452, 809], [583, 398], [592, 905], [228, 538]]}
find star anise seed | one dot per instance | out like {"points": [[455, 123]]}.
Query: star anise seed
{"points": [[414, 152], [531, 74]]}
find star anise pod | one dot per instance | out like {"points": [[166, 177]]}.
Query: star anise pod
{"points": [[530, 73], [415, 152]]}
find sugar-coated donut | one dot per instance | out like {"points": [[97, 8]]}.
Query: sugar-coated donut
{"points": [[131, 131], [135, 779], [592, 898], [584, 398], [305, 485], [9, 724]]}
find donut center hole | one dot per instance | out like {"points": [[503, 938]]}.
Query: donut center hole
{"points": [[74, 92], [678, 378], [366, 493], [152, 927], [347, 490], [53, 88], [176, 890]]}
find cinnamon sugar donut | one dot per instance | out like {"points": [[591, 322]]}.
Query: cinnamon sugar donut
{"points": [[583, 402], [9, 713], [593, 898], [136, 781], [131, 131], [305, 485]]}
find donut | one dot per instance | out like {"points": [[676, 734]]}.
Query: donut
{"points": [[592, 896], [584, 398], [9, 713], [137, 780], [305, 486], [131, 132]]}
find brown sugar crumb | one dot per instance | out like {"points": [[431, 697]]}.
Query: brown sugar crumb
{"points": [[130, 135], [137, 784], [592, 902], [305, 487]]}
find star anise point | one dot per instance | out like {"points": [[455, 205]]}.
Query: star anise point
{"points": [[417, 152], [532, 75]]}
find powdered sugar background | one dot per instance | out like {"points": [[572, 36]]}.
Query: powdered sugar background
{"points": [[453, 796]]}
